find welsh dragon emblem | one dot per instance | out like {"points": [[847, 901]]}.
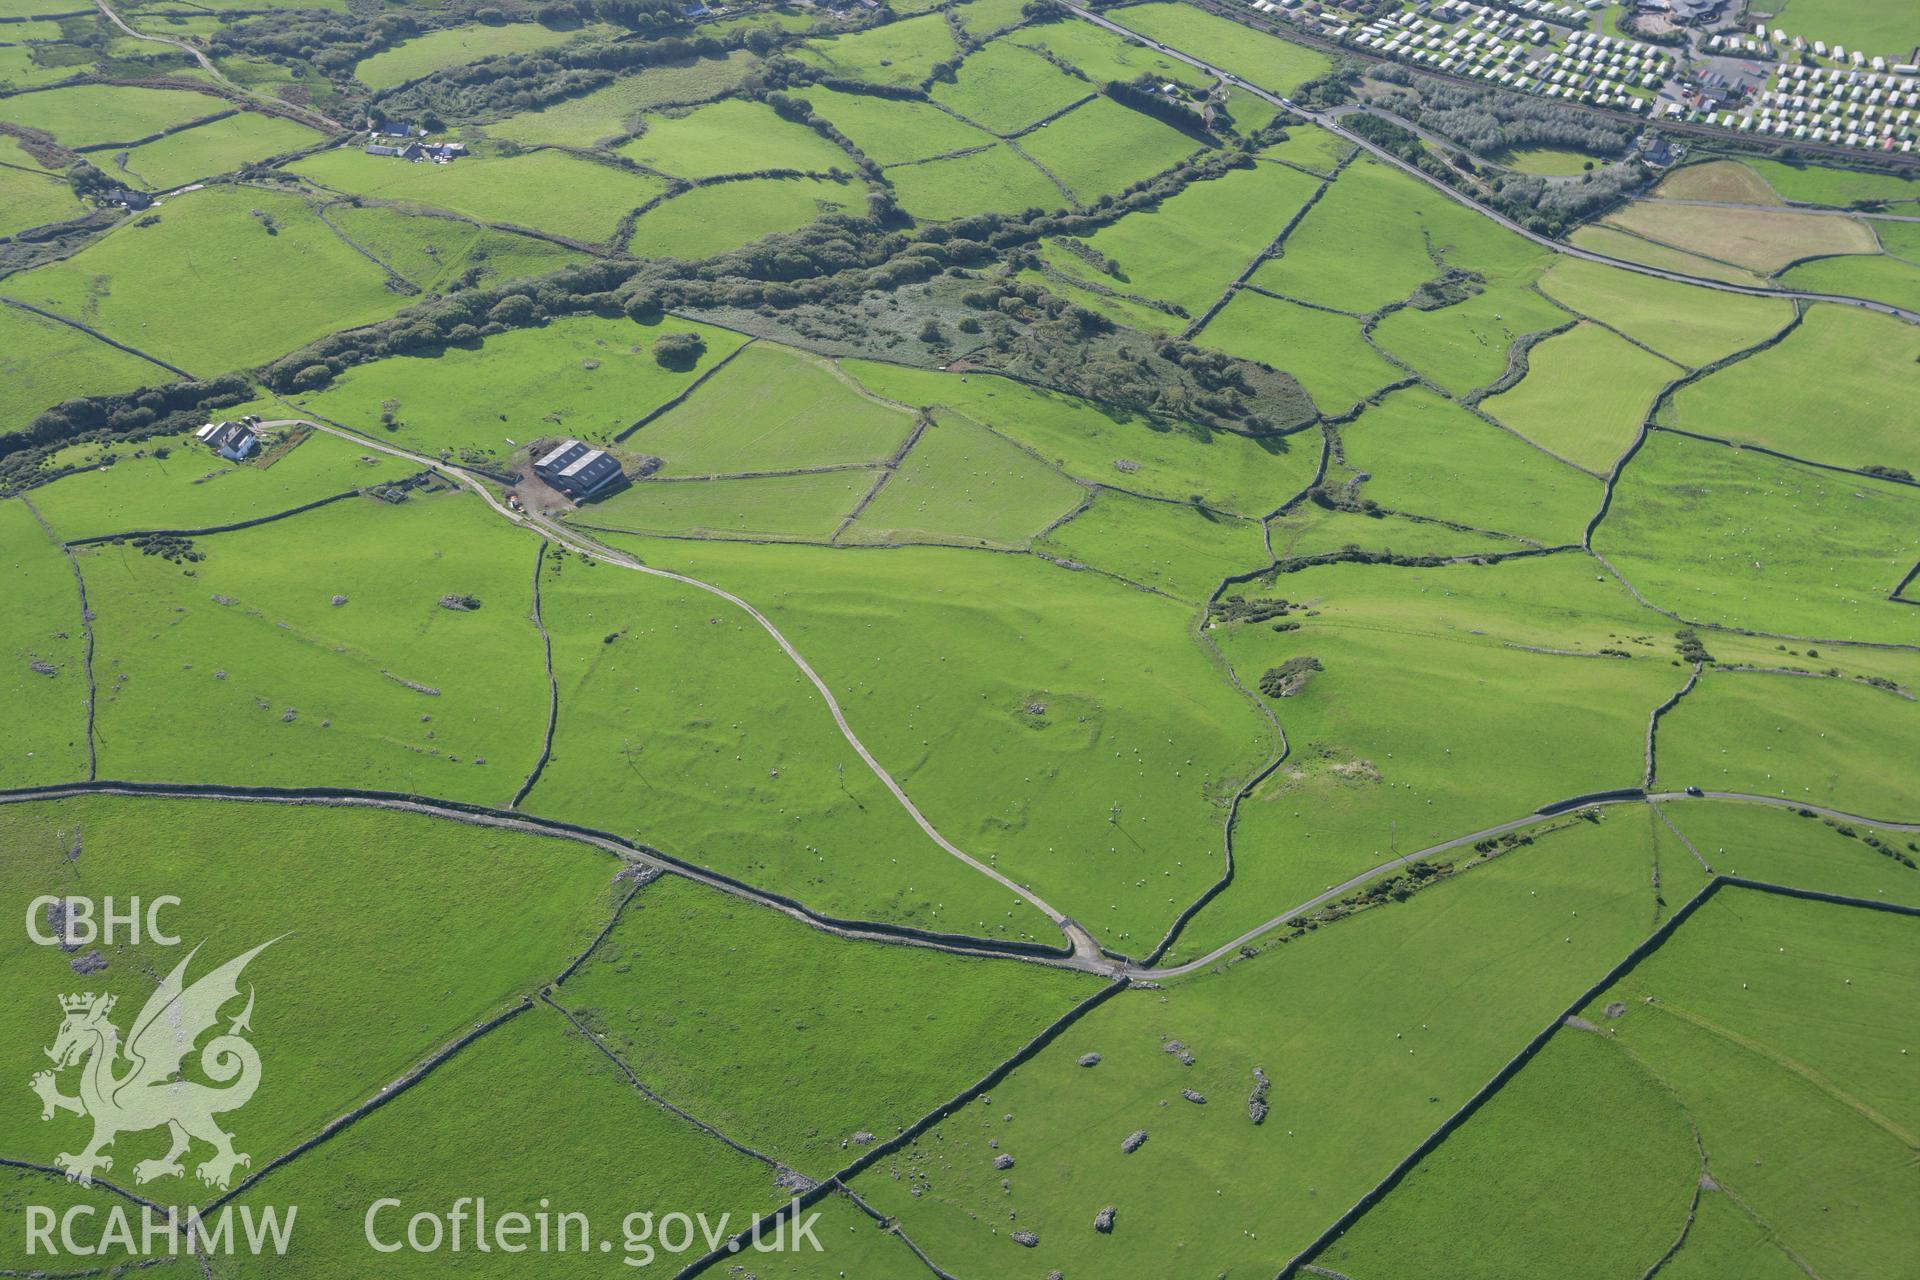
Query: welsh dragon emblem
{"points": [[139, 1085]]}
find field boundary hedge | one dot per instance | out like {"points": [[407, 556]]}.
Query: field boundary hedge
{"points": [[1646, 947], [93, 539], [483, 815], [553, 692], [837, 1181]]}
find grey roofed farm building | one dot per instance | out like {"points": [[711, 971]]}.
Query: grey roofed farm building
{"points": [[576, 470], [231, 440]]}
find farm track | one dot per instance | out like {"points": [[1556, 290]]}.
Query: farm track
{"points": [[1331, 123], [274, 105], [1082, 943]]}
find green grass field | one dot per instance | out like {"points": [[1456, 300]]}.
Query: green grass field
{"points": [[1769, 1020], [1430, 458], [443, 1140], [897, 53], [91, 114], [1736, 538], [1102, 55], [45, 654], [432, 250], [1762, 842], [219, 147], [513, 190], [1310, 147], [43, 362], [1811, 184], [1552, 162], [1192, 246], [712, 220], [32, 199], [1834, 391], [1102, 148], [891, 130], [1585, 395], [1323, 261], [996, 180], [1271, 63], [1004, 88], [168, 288], [772, 409], [735, 763], [808, 506], [194, 488], [1474, 1206], [732, 136], [588, 376], [981, 18], [1828, 742], [1059, 695], [405, 959], [1171, 547], [1310, 529], [454, 46], [1887, 279], [1362, 1067], [1099, 445], [1469, 344], [962, 484], [1324, 351], [1503, 730], [283, 686], [615, 110], [1682, 322], [1853, 23], [848, 1006]]}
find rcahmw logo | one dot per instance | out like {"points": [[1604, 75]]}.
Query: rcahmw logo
{"points": [[140, 1082]]}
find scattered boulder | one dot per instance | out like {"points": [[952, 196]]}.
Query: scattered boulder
{"points": [[1103, 1221], [1616, 1009], [56, 913], [92, 962], [1180, 1051], [220, 599], [1194, 1096], [460, 603], [1257, 1100], [41, 668], [1003, 1161], [1026, 1239], [1089, 1059], [1134, 1141], [862, 1139], [338, 601]]}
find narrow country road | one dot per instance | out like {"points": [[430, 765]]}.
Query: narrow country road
{"points": [[1084, 944], [1332, 125], [220, 77]]}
